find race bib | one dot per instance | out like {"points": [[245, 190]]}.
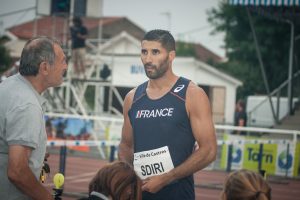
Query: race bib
{"points": [[153, 162]]}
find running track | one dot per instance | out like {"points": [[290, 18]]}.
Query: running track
{"points": [[79, 172]]}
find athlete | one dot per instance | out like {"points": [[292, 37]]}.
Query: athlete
{"points": [[163, 120]]}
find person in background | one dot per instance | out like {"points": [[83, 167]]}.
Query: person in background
{"points": [[23, 137], [245, 185], [78, 36], [11, 71], [163, 118], [105, 72], [49, 129], [115, 181], [240, 117]]}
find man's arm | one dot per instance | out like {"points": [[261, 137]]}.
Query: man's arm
{"points": [[83, 34], [126, 144], [200, 115], [21, 175]]}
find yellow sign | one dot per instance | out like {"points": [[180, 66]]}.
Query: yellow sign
{"points": [[280, 158]]}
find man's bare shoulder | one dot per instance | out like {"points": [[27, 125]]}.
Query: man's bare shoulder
{"points": [[196, 96], [130, 94], [194, 89], [129, 98]]}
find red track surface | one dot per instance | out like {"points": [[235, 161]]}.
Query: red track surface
{"points": [[79, 172]]}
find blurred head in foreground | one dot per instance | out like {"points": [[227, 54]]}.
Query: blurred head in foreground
{"points": [[246, 185], [115, 181]]}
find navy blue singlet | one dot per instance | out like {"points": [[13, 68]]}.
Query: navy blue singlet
{"points": [[164, 122]]}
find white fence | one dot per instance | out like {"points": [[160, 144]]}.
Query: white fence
{"points": [[276, 151]]}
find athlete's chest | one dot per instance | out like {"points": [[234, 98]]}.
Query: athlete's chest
{"points": [[166, 107]]}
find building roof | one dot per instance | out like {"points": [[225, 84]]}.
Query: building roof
{"points": [[206, 55], [58, 27], [199, 51]]}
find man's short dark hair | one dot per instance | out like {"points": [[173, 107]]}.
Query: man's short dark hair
{"points": [[242, 103], [77, 21], [162, 36], [37, 50]]}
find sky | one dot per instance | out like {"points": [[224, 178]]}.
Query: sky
{"points": [[186, 19]]}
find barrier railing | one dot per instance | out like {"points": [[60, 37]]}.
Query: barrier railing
{"points": [[276, 151], [267, 155]]}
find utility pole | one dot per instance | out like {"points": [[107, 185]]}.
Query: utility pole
{"points": [[1, 27], [290, 72], [169, 18]]}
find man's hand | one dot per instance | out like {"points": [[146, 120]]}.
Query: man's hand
{"points": [[155, 183], [47, 155], [21, 175]]}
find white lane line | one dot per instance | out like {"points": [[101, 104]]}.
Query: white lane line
{"points": [[81, 180], [80, 175]]}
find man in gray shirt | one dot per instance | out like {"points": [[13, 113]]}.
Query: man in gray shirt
{"points": [[22, 127]]}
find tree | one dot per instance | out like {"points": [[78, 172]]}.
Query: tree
{"points": [[273, 38], [185, 49]]}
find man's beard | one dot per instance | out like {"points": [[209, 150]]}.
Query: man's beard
{"points": [[157, 71]]}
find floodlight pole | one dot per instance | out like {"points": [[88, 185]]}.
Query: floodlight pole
{"points": [[35, 20], [275, 117], [100, 26], [290, 74]]}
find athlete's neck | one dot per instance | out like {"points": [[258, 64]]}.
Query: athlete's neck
{"points": [[162, 83], [157, 88]]}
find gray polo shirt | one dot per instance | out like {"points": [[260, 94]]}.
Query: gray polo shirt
{"points": [[21, 123]]}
